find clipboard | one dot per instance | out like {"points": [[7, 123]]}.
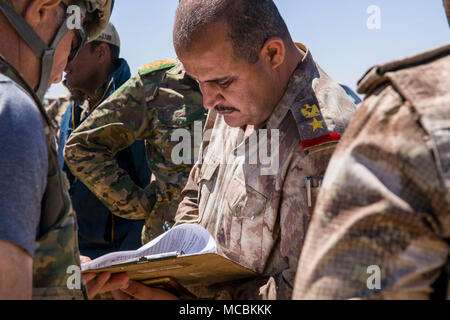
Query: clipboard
{"points": [[180, 272]]}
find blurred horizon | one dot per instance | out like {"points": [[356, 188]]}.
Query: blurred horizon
{"points": [[335, 32]]}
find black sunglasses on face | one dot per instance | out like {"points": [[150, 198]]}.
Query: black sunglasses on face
{"points": [[80, 38]]}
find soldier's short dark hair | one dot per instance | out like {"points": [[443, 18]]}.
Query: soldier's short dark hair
{"points": [[251, 23]]}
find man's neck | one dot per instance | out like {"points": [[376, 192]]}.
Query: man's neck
{"points": [[13, 51], [293, 59]]}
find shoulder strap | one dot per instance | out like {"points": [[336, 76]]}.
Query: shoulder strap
{"points": [[157, 66], [375, 76]]}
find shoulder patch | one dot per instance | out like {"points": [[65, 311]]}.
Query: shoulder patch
{"points": [[156, 66], [312, 126]]}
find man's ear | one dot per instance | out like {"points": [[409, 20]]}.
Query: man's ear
{"points": [[273, 52], [102, 52], [38, 11]]}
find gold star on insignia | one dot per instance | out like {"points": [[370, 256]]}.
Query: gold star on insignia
{"points": [[316, 124], [310, 111]]}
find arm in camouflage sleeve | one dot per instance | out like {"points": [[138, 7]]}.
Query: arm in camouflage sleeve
{"points": [[90, 151], [382, 204], [188, 209]]}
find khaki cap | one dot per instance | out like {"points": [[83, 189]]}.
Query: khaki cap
{"points": [[109, 35]]}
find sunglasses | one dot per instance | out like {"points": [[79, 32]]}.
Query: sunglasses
{"points": [[80, 35]]}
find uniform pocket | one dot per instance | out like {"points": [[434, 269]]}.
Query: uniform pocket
{"points": [[240, 229], [243, 201], [178, 115]]}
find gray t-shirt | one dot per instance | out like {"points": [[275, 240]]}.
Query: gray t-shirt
{"points": [[23, 165]]}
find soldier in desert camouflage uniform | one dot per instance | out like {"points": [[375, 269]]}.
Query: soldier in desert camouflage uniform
{"points": [[257, 213], [160, 99], [384, 207]]}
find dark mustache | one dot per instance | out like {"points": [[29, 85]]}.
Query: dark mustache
{"points": [[224, 108]]}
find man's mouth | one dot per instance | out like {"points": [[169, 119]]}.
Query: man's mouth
{"points": [[223, 110], [67, 75]]}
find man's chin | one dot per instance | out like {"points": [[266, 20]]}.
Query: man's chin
{"points": [[233, 121]]}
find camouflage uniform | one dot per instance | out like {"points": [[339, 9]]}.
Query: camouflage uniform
{"points": [[56, 242], [385, 200], [55, 109], [260, 220], [160, 99]]}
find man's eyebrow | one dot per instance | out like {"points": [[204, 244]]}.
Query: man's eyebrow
{"points": [[219, 79], [215, 80]]}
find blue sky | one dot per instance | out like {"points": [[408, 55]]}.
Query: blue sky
{"points": [[336, 32]]}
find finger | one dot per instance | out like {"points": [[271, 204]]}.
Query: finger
{"points": [[84, 259], [142, 292], [89, 276], [94, 286], [115, 282], [120, 295]]}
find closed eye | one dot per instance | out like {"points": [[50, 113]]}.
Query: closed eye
{"points": [[224, 83]]}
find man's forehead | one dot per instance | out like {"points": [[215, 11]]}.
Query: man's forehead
{"points": [[207, 66]]}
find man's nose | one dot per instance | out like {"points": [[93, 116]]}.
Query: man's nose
{"points": [[56, 79], [211, 96], [68, 67]]}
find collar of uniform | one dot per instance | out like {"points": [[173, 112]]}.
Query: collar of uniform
{"points": [[299, 81]]}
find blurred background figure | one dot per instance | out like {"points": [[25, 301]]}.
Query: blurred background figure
{"points": [[38, 239], [92, 77], [381, 227]]}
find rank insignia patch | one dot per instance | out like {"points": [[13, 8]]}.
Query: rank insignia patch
{"points": [[312, 125], [316, 124], [310, 111]]}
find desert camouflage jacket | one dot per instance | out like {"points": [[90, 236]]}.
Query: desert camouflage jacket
{"points": [[382, 225]]}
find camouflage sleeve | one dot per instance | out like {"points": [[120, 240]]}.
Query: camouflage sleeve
{"points": [[90, 150], [55, 110], [188, 209], [382, 215], [160, 106]]}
